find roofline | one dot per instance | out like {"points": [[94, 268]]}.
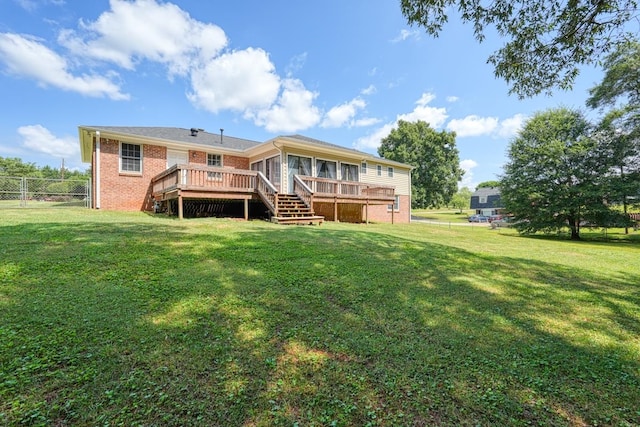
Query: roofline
{"points": [[347, 151], [169, 143], [86, 134]]}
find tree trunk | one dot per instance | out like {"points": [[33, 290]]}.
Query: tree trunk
{"points": [[574, 224]]}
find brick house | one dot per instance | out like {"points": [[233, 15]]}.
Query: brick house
{"points": [[191, 172]]}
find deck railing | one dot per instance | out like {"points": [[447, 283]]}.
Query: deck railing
{"points": [[200, 177], [334, 187], [303, 191], [215, 179], [267, 192]]}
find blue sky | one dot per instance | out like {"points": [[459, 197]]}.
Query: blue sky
{"points": [[339, 71]]}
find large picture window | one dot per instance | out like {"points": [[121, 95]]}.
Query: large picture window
{"points": [[326, 169], [130, 158], [297, 165], [348, 172]]}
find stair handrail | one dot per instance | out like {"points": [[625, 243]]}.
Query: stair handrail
{"points": [[302, 190], [268, 193]]}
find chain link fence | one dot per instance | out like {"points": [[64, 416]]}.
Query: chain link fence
{"points": [[41, 192]]}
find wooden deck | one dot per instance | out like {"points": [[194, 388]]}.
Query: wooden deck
{"points": [[184, 182]]}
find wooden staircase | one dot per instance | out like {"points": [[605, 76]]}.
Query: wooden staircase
{"points": [[292, 210]]}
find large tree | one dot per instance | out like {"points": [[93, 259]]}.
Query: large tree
{"points": [[547, 40], [434, 156], [555, 175], [620, 128]]}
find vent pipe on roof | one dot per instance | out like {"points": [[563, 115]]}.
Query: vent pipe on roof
{"points": [[194, 132], [221, 132]]}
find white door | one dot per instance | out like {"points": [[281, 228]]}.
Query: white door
{"points": [[178, 158]]}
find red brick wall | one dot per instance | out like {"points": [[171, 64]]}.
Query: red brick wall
{"points": [[235, 162], [127, 191], [380, 213], [228, 161]]}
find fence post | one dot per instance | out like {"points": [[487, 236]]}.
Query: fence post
{"points": [[23, 192]]}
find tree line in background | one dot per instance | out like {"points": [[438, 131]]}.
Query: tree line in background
{"points": [[15, 167], [562, 170]]}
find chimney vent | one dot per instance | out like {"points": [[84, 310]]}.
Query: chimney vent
{"points": [[194, 132], [221, 132]]}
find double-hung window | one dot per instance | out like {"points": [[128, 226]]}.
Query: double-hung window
{"points": [[214, 160], [130, 158], [390, 172], [395, 206]]}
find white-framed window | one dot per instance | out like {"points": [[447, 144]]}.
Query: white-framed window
{"points": [[363, 168], [379, 170], [130, 158], [482, 199], [390, 172], [395, 206], [258, 166], [349, 172], [326, 169], [214, 160]]}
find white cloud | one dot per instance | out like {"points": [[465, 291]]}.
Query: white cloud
{"points": [[473, 126], [239, 80], [296, 64], [293, 111], [510, 127], [372, 141], [370, 90], [140, 30], [452, 99], [432, 115], [343, 114], [40, 139], [364, 122], [405, 34], [26, 56], [467, 166]]}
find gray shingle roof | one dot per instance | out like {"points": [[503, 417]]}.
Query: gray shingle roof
{"points": [[172, 134], [487, 191]]}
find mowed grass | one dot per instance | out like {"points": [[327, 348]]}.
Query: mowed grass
{"points": [[129, 319]]}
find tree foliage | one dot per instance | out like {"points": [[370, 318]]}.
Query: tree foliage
{"points": [[556, 175], [488, 184], [462, 199], [15, 167], [547, 40], [434, 155], [620, 127]]}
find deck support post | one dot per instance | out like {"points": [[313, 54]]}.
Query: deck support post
{"points": [[180, 207], [246, 209], [393, 209], [335, 209], [366, 212]]}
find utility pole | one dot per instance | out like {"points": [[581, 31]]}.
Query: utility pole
{"points": [[62, 170]]}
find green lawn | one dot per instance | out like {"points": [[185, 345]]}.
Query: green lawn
{"points": [[129, 319], [443, 215]]}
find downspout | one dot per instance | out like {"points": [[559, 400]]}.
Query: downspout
{"points": [[410, 194], [97, 172]]}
